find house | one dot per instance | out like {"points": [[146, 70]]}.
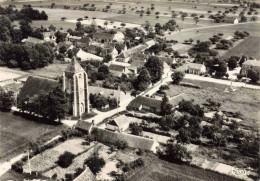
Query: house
{"points": [[34, 85], [166, 70], [83, 42], [119, 37], [49, 36], [131, 140], [168, 60], [150, 43], [84, 126], [119, 124], [195, 68], [84, 56], [250, 64], [103, 37], [111, 93], [73, 39], [126, 55], [118, 70], [146, 104], [231, 20], [30, 41]]}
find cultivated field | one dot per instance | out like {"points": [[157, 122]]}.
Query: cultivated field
{"points": [[7, 73], [16, 132], [249, 47], [245, 101]]}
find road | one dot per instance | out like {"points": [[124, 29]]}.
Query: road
{"points": [[220, 81], [103, 115]]}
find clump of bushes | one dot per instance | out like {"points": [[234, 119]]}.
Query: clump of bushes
{"points": [[65, 159], [95, 163]]}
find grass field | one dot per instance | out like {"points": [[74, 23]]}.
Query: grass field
{"points": [[160, 170], [249, 47], [245, 101], [207, 32], [16, 132]]}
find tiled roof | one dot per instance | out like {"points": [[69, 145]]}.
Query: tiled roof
{"points": [[195, 66], [74, 67], [141, 100], [103, 91], [100, 35], [115, 67], [34, 85], [32, 40], [83, 125]]}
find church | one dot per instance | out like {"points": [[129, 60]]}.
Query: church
{"points": [[75, 84]]}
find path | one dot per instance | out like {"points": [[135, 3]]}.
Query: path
{"points": [[220, 81]]}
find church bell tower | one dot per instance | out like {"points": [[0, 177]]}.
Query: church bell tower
{"points": [[75, 83]]}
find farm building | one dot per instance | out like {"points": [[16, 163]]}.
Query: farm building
{"points": [[83, 42], [231, 20], [103, 37], [118, 70], [126, 55], [84, 126], [195, 68], [30, 41], [250, 64], [49, 36], [119, 124], [84, 56], [111, 93], [131, 140], [146, 104]]}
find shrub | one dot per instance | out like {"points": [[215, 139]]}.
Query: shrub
{"points": [[121, 145], [65, 159], [18, 167], [95, 163]]}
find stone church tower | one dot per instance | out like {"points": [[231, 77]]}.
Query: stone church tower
{"points": [[75, 83]]}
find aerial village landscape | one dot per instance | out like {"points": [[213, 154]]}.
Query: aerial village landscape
{"points": [[129, 90]]}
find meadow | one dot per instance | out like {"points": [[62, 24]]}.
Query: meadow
{"points": [[249, 47], [243, 100], [16, 132]]}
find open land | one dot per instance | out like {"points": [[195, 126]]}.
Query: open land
{"points": [[16, 132], [243, 100]]}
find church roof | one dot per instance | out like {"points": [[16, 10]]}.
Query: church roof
{"points": [[74, 67], [34, 85]]}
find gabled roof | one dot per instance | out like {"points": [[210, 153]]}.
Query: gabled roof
{"points": [[48, 34], [132, 140], [116, 67], [87, 56], [66, 44], [137, 63], [83, 125], [32, 40], [150, 43], [84, 40], [100, 35], [120, 121], [167, 60], [146, 101], [105, 92], [130, 52], [74, 67], [34, 85], [195, 66], [139, 56], [254, 63]]}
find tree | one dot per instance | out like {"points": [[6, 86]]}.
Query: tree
{"points": [[107, 58], [143, 79], [253, 75], [243, 19], [65, 159], [177, 77], [135, 129], [166, 107], [95, 163], [60, 37], [176, 153], [155, 67], [232, 63], [58, 104], [4, 34], [7, 100], [104, 69], [184, 136], [25, 28]]}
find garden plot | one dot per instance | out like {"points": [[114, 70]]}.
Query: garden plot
{"points": [[74, 146], [78, 162]]}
